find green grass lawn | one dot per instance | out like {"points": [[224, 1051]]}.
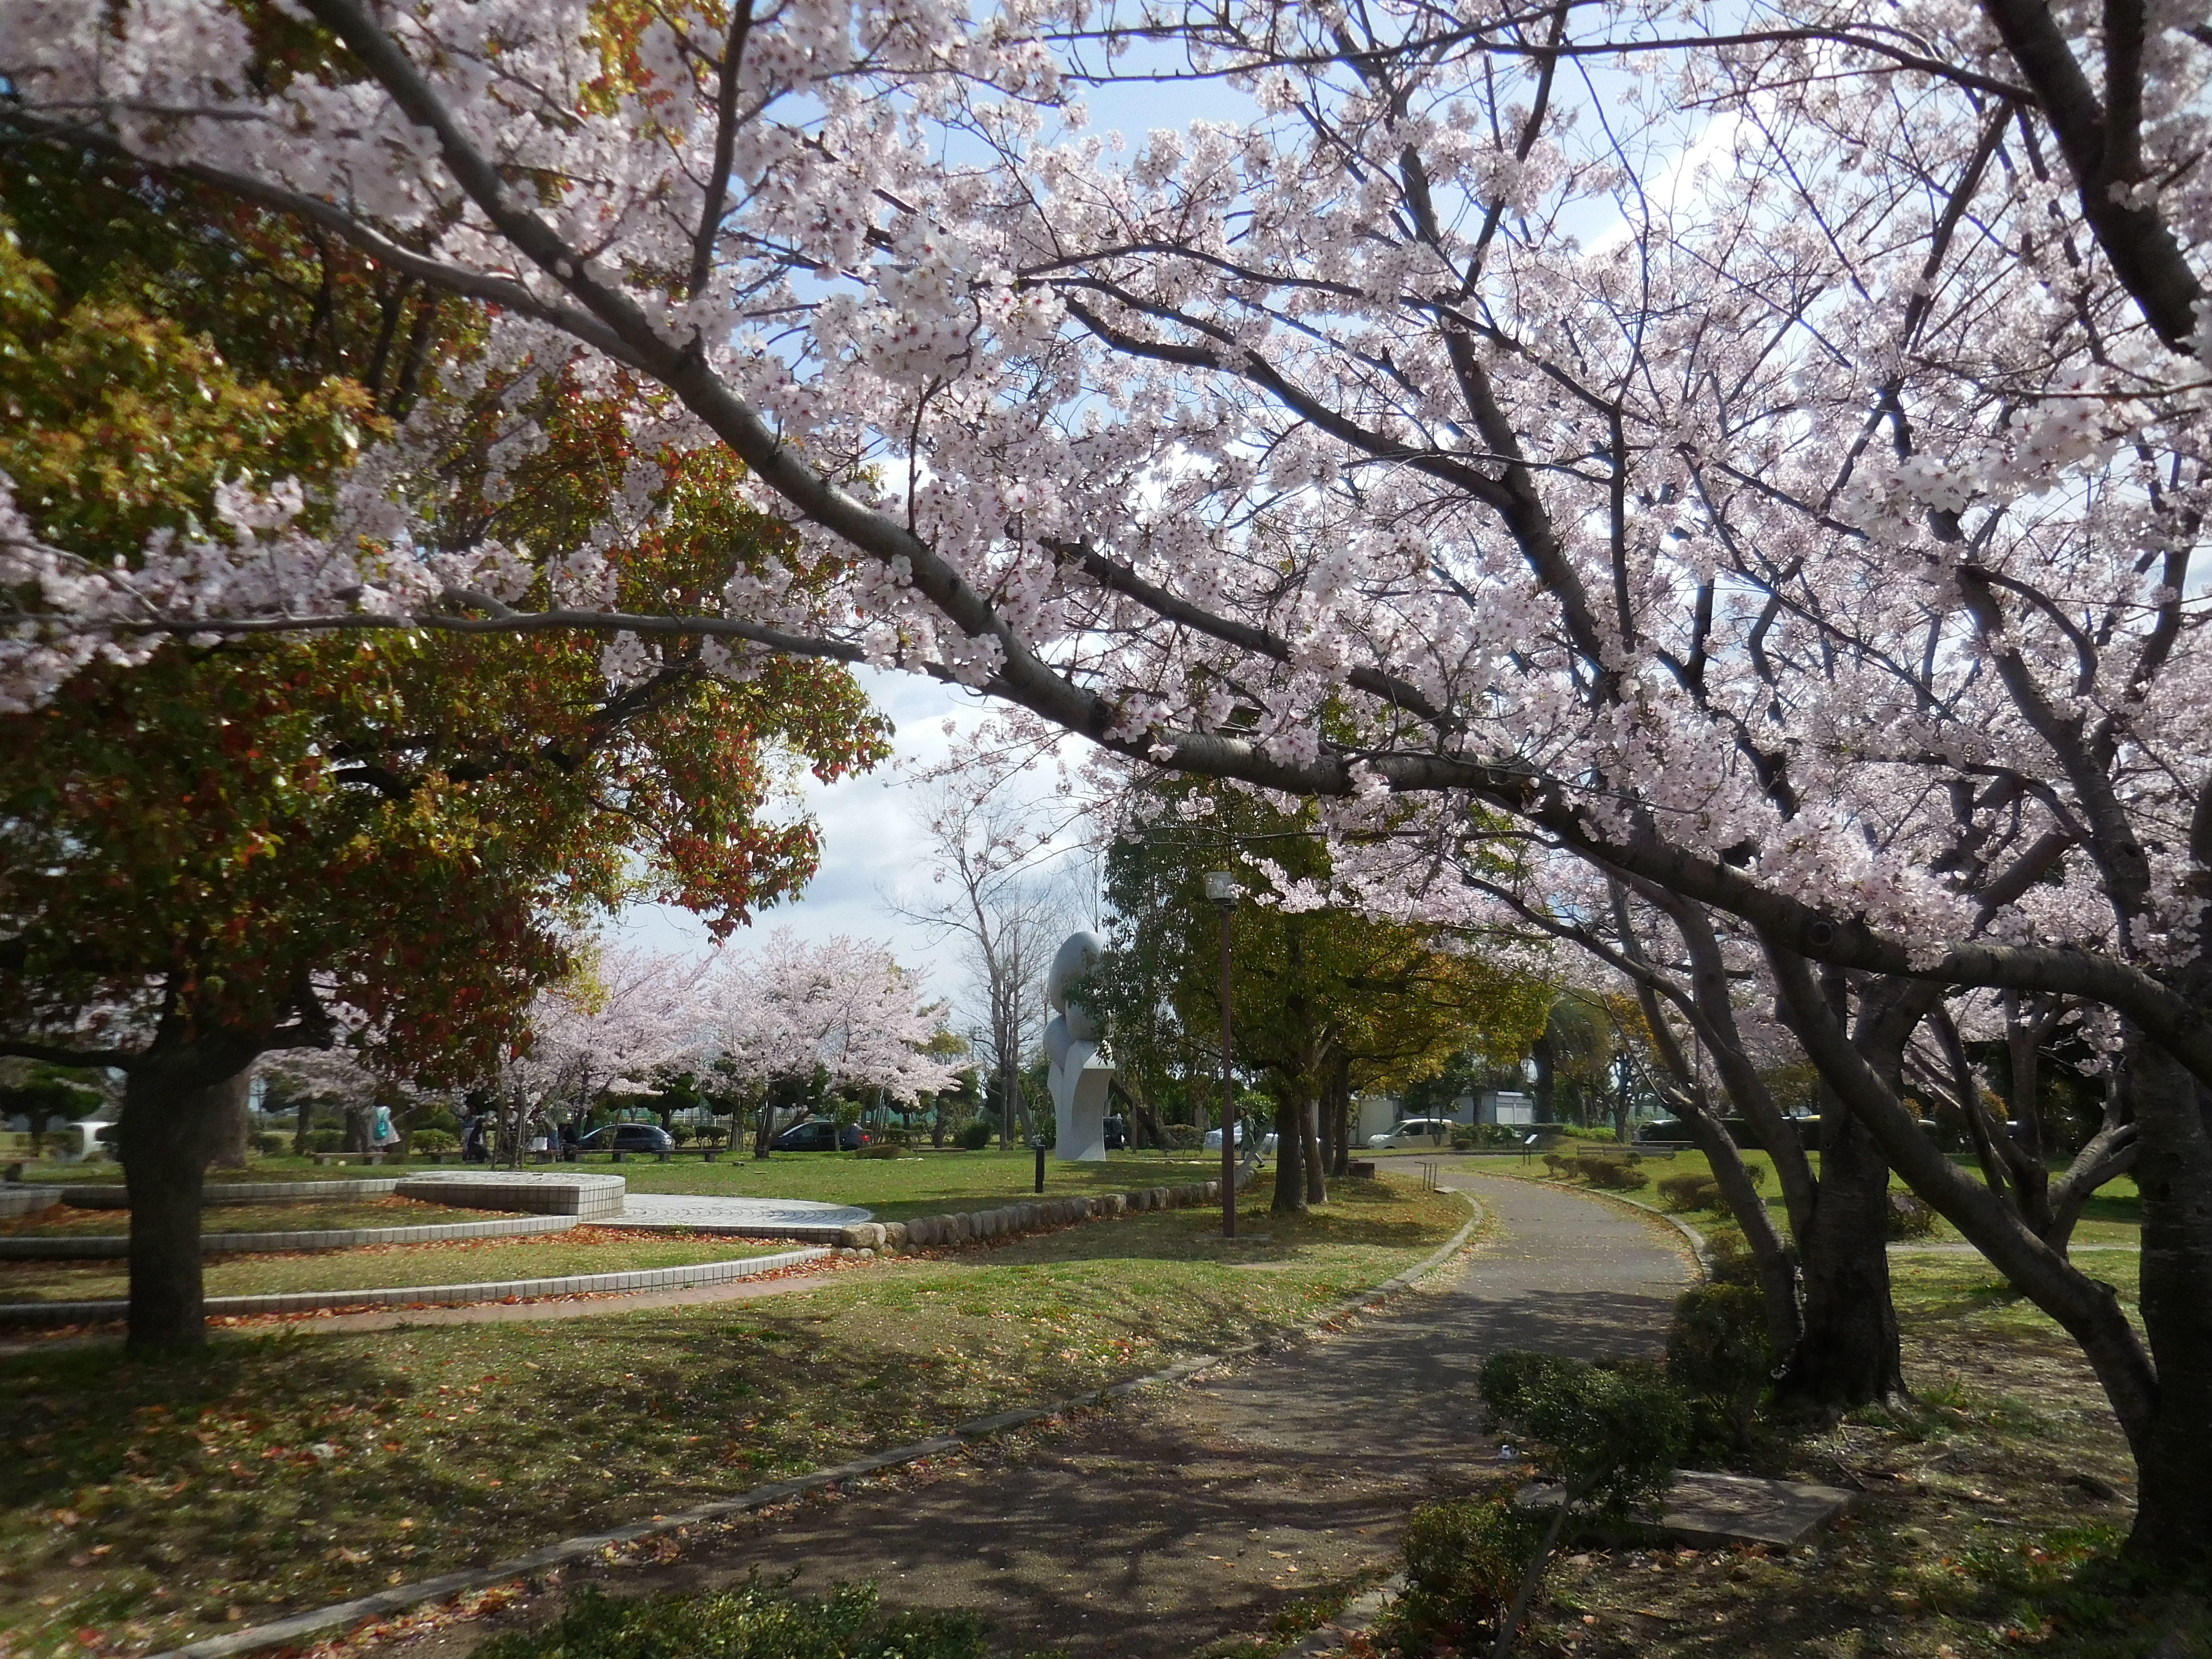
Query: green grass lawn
{"points": [[62, 1221], [2113, 1214], [925, 1183], [148, 1500], [579, 1250]]}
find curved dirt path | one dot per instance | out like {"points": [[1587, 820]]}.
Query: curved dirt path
{"points": [[1186, 1516]]}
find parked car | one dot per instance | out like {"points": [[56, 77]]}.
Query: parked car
{"points": [[819, 1134], [1266, 1141], [627, 1138], [1434, 1132]]}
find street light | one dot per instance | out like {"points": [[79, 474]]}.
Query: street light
{"points": [[1221, 888]]}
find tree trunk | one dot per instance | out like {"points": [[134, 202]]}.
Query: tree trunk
{"points": [[1340, 1112], [163, 1136], [1847, 1352], [1290, 1156], [303, 1126], [231, 1122], [764, 1131], [2173, 1172], [1316, 1167], [1547, 1078]]}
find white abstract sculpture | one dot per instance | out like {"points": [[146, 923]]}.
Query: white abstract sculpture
{"points": [[1077, 1076]]}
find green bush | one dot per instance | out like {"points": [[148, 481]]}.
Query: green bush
{"points": [[433, 1141], [1467, 1136], [1610, 1433], [326, 1140], [1909, 1217], [270, 1144], [1728, 1255], [974, 1135], [1464, 1561], [1719, 1355], [712, 1134], [1614, 1173], [879, 1149], [1689, 1192], [680, 1133], [1182, 1137], [754, 1620], [1556, 1163]]}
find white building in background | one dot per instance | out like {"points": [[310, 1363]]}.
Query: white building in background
{"points": [[1502, 1106], [1374, 1114]]}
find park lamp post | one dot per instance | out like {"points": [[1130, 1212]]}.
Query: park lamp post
{"points": [[1221, 888]]}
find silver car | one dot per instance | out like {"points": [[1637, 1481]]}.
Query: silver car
{"points": [[1433, 1132]]}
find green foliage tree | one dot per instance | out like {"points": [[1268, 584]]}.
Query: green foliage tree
{"points": [[241, 847], [1325, 1000]]}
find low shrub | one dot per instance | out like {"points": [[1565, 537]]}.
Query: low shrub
{"points": [[1464, 1559], [1728, 1255], [1689, 1191], [714, 1134], [1909, 1217], [974, 1135], [1719, 1355], [433, 1141], [899, 1138], [879, 1149], [1614, 1173], [1556, 1163], [326, 1140], [270, 1144], [754, 1620], [1611, 1434], [680, 1133], [1182, 1137]]}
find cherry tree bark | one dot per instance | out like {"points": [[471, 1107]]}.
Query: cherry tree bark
{"points": [[172, 1103]]}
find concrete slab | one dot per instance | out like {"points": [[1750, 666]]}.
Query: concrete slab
{"points": [[741, 1217], [1706, 1510], [541, 1192]]}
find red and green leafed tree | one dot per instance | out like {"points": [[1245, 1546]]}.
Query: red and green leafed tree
{"points": [[386, 838]]}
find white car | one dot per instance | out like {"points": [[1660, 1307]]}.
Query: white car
{"points": [[1266, 1141], [1433, 1132]]}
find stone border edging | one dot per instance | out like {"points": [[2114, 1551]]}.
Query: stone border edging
{"points": [[1358, 1615], [1034, 1215], [111, 1194], [283, 1631], [25, 1200], [93, 1247], [644, 1279]]}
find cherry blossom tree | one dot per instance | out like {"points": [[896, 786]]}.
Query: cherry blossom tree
{"points": [[1757, 453], [840, 1006], [632, 1015]]}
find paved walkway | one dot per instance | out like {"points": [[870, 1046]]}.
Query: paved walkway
{"points": [[1194, 1514]]}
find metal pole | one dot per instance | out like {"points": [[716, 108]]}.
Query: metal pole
{"points": [[1228, 1097]]}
